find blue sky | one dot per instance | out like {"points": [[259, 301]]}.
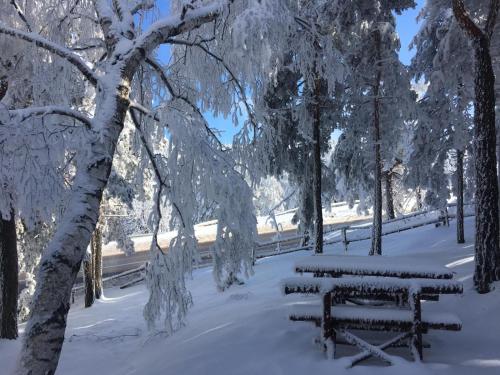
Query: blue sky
{"points": [[406, 26]]}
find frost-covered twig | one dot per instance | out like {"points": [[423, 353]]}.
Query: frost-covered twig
{"points": [[26, 113], [21, 15], [158, 69], [156, 171], [161, 31], [143, 110], [54, 48], [234, 79]]}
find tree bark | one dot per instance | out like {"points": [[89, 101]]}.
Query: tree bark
{"points": [[487, 259], [97, 259], [376, 247], [88, 276], [8, 278], [418, 195], [44, 335], [460, 197], [318, 207], [487, 249], [389, 199], [306, 219]]}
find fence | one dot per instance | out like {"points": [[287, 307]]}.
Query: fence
{"points": [[344, 234]]}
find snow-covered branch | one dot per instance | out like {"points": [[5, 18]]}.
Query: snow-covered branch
{"points": [[21, 15], [492, 17], [26, 113], [158, 69], [142, 5], [52, 47], [234, 79], [159, 178], [464, 19], [161, 31], [143, 110]]}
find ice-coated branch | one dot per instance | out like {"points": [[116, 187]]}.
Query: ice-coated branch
{"points": [[161, 31], [54, 48], [492, 17], [21, 15], [142, 5], [158, 69], [464, 19], [143, 110], [26, 113], [234, 79], [159, 178]]}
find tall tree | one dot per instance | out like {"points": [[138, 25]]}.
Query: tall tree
{"points": [[380, 98], [8, 277], [8, 263], [487, 249], [443, 60]]}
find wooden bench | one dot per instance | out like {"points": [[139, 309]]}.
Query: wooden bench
{"points": [[340, 318]]}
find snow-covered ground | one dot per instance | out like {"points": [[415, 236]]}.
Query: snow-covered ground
{"points": [[245, 329]]}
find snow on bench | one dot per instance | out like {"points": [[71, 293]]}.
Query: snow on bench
{"points": [[400, 267], [374, 317]]}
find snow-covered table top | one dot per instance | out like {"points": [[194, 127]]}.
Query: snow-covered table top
{"points": [[369, 284], [401, 267]]}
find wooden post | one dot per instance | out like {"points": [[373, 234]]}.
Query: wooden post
{"points": [[327, 328], [344, 238], [416, 330]]}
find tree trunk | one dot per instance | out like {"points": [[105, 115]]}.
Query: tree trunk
{"points": [[487, 248], [460, 196], [88, 275], [318, 207], [8, 278], [306, 219], [418, 194], [97, 259], [487, 259], [389, 196], [376, 247], [59, 267]]}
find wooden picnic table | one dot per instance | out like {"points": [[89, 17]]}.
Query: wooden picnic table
{"points": [[372, 277]]}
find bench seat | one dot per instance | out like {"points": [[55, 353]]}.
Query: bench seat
{"points": [[374, 318]]}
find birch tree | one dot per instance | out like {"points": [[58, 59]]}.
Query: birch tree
{"points": [[124, 49]]}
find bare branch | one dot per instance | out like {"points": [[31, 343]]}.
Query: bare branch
{"points": [[26, 113], [54, 48]]}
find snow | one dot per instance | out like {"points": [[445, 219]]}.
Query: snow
{"points": [[246, 330]]}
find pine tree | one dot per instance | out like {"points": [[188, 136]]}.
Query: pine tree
{"points": [[487, 237]]}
